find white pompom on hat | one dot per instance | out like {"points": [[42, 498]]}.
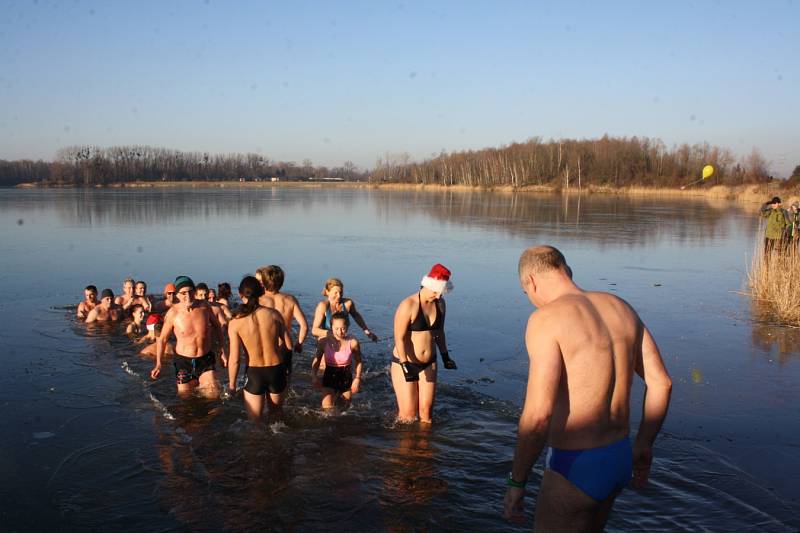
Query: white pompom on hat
{"points": [[438, 279]]}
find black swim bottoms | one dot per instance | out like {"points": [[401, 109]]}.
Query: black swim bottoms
{"points": [[287, 359], [338, 378], [260, 379], [418, 367], [188, 369]]}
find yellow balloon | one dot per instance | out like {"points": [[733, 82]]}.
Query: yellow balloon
{"points": [[708, 171]]}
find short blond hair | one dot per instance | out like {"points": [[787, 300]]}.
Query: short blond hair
{"points": [[331, 283], [541, 259]]}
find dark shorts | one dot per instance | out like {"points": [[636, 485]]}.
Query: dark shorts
{"points": [[260, 379], [188, 369], [287, 359], [338, 378]]}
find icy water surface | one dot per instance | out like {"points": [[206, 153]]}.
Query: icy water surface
{"points": [[88, 442]]}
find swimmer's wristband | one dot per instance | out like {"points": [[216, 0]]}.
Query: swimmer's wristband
{"points": [[516, 484]]}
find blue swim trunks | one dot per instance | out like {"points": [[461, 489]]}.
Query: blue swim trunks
{"points": [[598, 472]]}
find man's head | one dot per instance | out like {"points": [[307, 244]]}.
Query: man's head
{"points": [[169, 294], [140, 289], [271, 277], [90, 293], [185, 290], [127, 286], [541, 267], [201, 291], [107, 297], [775, 202]]}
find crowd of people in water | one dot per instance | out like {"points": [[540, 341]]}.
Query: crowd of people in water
{"points": [[201, 329], [584, 347]]}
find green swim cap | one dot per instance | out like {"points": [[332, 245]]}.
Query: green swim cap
{"points": [[183, 281]]}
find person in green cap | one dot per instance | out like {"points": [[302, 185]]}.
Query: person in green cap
{"points": [[777, 220], [196, 329]]}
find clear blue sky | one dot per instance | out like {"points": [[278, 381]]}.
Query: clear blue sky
{"points": [[335, 81]]}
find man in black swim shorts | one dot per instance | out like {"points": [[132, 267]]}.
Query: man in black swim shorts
{"points": [[195, 328]]}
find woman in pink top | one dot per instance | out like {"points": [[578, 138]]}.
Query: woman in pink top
{"points": [[341, 353]]}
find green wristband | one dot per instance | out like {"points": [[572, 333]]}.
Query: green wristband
{"points": [[516, 484]]}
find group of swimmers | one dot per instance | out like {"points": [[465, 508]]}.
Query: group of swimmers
{"points": [[584, 348], [210, 329]]}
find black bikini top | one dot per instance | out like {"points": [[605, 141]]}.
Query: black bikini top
{"points": [[420, 323]]}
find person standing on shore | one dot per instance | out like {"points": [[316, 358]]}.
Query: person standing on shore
{"points": [[583, 349], [777, 220]]}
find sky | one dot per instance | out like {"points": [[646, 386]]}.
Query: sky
{"points": [[332, 81]]}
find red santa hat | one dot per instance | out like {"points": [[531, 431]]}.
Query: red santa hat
{"points": [[152, 320], [438, 279]]}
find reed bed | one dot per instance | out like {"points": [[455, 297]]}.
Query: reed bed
{"points": [[774, 281]]}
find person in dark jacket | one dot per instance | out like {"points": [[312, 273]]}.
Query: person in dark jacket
{"points": [[777, 221]]}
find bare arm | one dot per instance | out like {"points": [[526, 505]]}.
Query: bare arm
{"points": [[359, 366], [302, 324], [319, 314], [166, 331], [316, 362], [92, 316], [233, 356], [658, 387], [81, 310], [360, 321], [544, 375], [402, 320]]}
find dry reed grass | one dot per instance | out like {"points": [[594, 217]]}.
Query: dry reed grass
{"points": [[774, 281]]}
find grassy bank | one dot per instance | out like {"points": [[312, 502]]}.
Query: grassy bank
{"points": [[774, 282], [747, 194]]}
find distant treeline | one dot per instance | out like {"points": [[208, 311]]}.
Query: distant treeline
{"points": [[565, 163], [561, 163], [91, 166]]}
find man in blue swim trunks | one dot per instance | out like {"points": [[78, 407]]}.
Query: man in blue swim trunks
{"points": [[584, 348]]}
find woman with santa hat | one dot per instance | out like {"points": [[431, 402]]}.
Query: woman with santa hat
{"points": [[418, 332]]}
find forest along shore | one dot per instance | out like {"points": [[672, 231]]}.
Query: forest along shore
{"points": [[746, 194]]}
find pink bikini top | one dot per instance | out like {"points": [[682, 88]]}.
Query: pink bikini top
{"points": [[340, 358]]}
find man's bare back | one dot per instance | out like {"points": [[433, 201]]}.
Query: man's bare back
{"points": [[596, 334], [260, 333], [583, 349]]}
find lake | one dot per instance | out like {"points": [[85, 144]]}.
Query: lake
{"points": [[89, 442]]}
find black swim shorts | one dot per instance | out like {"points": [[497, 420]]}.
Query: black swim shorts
{"points": [[338, 378], [188, 369], [260, 379]]}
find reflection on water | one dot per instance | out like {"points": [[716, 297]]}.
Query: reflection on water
{"points": [[611, 220], [770, 337], [93, 443]]}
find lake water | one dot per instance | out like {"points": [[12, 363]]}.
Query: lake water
{"points": [[88, 442]]}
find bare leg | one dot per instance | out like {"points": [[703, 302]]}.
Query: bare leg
{"points": [[208, 384], [328, 397], [185, 389], [407, 395], [275, 405], [253, 404], [561, 506], [427, 393]]}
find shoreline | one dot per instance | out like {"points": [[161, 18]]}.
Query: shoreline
{"points": [[750, 194]]}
